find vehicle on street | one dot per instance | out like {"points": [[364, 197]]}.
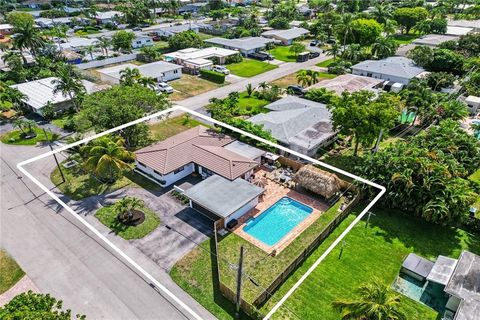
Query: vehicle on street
{"points": [[137, 29], [221, 69], [164, 87], [262, 56], [313, 55], [296, 90], [304, 56], [314, 43]]}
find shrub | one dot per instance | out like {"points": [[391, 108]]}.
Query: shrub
{"points": [[213, 76], [236, 58]]}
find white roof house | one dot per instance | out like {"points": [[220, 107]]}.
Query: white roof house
{"points": [[285, 36], [39, 92], [349, 83], [433, 40], [107, 16], [458, 31], [193, 57], [396, 69], [244, 45], [474, 24], [6, 28], [160, 71], [300, 124]]}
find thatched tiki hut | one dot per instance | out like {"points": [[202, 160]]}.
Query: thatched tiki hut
{"points": [[318, 181]]}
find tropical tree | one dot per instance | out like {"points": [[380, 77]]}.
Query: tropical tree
{"points": [[296, 48], [453, 109], [107, 158], [186, 39], [147, 82], [90, 49], [151, 53], [27, 37], [407, 17], [439, 80], [302, 78], [333, 51], [345, 27], [249, 89], [122, 40], [375, 301], [129, 76], [384, 47], [382, 12], [104, 43], [68, 83], [125, 207]]}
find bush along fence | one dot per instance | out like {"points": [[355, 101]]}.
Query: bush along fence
{"points": [[213, 76], [252, 309]]}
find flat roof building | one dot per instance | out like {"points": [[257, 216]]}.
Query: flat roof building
{"points": [[286, 36], [160, 71], [195, 58], [348, 82], [245, 46]]}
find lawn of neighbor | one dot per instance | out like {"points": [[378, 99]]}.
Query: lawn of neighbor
{"points": [[251, 105], [291, 79], [476, 177], [374, 252], [249, 68], [15, 137], [189, 86], [10, 272], [283, 53]]}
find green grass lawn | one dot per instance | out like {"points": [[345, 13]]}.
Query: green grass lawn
{"points": [[476, 177], [170, 127], [108, 217], [374, 252], [283, 53], [189, 86], [16, 137], [251, 105], [326, 63], [10, 272], [249, 68], [405, 38], [80, 184]]}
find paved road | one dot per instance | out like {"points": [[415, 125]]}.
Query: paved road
{"points": [[68, 261], [201, 100]]}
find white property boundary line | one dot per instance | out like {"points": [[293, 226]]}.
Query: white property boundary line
{"points": [[21, 165]]}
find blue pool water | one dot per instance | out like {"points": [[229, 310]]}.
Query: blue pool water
{"points": [[278, 220]]}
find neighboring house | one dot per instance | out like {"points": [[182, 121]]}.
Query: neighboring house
{"points": [[105, 17], [6, 29], [193, 8], [72, 57], [459, 279], [200, 150], [218, 27], [170, 31], [298, 124], [458, 31], [196, 59], [396, 69], [350, 83], [76, 44], [34, 4], [39, 92], [433, 40], [161, 71], [474, 24], [286, 37], [245, 46], [473, 104], [141, 41], [49, 23], [223, 199]]}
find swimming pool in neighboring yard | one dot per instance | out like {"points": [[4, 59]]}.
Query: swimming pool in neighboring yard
{"points": [[278, 220]]}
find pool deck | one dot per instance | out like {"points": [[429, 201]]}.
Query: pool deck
{"points": [[273, 193]]}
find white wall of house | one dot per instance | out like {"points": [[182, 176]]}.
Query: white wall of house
{"points": [[142, 42], [169, 178], [170, 75], [240, 212], [380, 76]]}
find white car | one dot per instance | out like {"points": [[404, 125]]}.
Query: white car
{"points": [[221, 69], [164, 87]]}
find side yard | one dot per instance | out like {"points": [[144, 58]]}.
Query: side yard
{"points": [[10, 272], [189, 86], [249, 68]]}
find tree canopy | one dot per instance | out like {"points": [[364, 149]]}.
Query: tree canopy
{"points": [[186, 39], [407, 17]]}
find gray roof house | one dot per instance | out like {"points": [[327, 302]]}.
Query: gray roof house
{"points": [[244, 45], [159, 70], [173, 30], [299, 124], [285, 36], [396, 69]]}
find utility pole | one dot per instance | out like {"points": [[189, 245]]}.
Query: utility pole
{"points": [[377, 144], [239, 284], [54, 155]]}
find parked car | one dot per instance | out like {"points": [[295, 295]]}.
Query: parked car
{"points": [[164, 87], [313, 55], [331, 41], [145, 25], [137, 29], [221, 69], [302, 57], [156, 38], [296, 89], [262, 56], [314, 43]]}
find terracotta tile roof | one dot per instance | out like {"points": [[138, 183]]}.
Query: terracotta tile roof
{"points": [[199, 145]]}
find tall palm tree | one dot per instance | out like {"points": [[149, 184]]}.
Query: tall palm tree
{"points": [[376, 301], [147, 82], [382, 12], [313, 76], [303, 78], [90, 49], [68, 83], [104, 43], [129, 76], [384, 47], [334, 50], [346, 27], [28, 38], [107, 158]]}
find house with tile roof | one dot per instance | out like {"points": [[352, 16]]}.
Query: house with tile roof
{"points": [[200, 150]]}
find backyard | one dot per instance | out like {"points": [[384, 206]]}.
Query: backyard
{"points": [[251, 105], [189, 86], [249, 68], [374, 252], [172, 126], [283, 53]]}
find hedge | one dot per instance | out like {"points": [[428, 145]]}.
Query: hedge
{"points": [[213, 76]]}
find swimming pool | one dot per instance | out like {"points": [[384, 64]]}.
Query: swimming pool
{"points": [[278, 220]]}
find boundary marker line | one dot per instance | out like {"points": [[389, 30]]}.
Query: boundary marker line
{"points": [[20, 166]]}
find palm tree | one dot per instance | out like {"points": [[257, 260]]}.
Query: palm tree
{"points": [[125, 207], [303, 78], [334, 50], [346, 27], [27, 38], [129, 76], [104, 43], [25, 125], [376, 301], [384, 47], [107, 158], [69, 84], [423, 27], [313, 77], [90, 49], [390, 27], [147, 82], [454, 109], [382, 12]]}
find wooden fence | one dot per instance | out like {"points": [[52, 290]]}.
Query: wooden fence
{"points": [[295, 165]]}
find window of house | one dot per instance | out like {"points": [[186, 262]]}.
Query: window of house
{"points": [[369, 74], [175, 71], [178, 170]]}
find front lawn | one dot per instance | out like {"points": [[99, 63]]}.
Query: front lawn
{"points": [[291, 79], [170, 127], [374, 252], [405, 38], [249, 68], [189, 86], [283, 53], [326, 63], [16, 137], [10, 272], [251, 105], [80, 184], [108, 217]]}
